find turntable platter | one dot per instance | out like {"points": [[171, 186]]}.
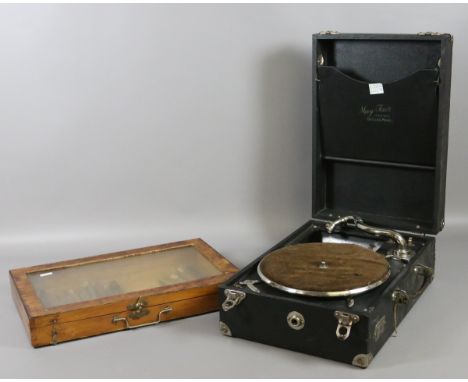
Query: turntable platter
{"points": [[324, 269]]}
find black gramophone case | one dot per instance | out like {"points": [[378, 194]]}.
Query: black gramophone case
{"points": [[380, 137]]}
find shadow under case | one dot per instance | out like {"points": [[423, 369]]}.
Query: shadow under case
{"points": [[380, 139]]}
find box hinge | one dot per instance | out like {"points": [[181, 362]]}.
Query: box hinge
{"points": [[329, 32], [436, 34], [430, 34], [54, 334]]}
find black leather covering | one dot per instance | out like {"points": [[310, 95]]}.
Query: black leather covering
{"points": [[381, 156], [262, 316], [397, 126]]}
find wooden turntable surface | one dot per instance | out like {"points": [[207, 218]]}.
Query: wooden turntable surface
{"points": [[324, 269]]}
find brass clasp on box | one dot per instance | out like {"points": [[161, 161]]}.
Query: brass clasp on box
{"points": [[345, 321], [163, 311], [233, 298], [138, 309], [402, 297]]}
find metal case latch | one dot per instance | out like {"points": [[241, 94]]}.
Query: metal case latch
{"points": [[233, 298], [345, 321]]}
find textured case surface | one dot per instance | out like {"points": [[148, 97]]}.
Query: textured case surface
{"points": [[381, 156], [263, 316]]}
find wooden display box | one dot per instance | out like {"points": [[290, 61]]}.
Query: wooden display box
{"points": [[123, 290]]}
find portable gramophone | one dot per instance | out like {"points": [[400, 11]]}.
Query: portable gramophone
{"points": [[339, 285]]}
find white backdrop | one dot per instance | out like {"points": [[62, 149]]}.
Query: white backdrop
{"points": [[130, 125]]}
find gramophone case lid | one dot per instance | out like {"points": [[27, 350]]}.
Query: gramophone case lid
{"points": [[380, 128]]}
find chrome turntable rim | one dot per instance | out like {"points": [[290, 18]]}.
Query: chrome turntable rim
{"points": [[316, 293]]}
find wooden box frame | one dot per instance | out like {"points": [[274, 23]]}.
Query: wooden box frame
{"points": [[47, 326]]}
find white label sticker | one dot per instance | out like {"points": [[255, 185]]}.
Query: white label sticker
{"points": [[376, 88]]}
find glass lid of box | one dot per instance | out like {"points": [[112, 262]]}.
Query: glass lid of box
{"points": [[121, 275]]}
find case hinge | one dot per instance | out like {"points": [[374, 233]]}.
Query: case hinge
{"points": [[54, 333], [329, 32], [429, 34]]}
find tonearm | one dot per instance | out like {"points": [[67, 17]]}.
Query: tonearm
{"points": [[402, 253]]}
